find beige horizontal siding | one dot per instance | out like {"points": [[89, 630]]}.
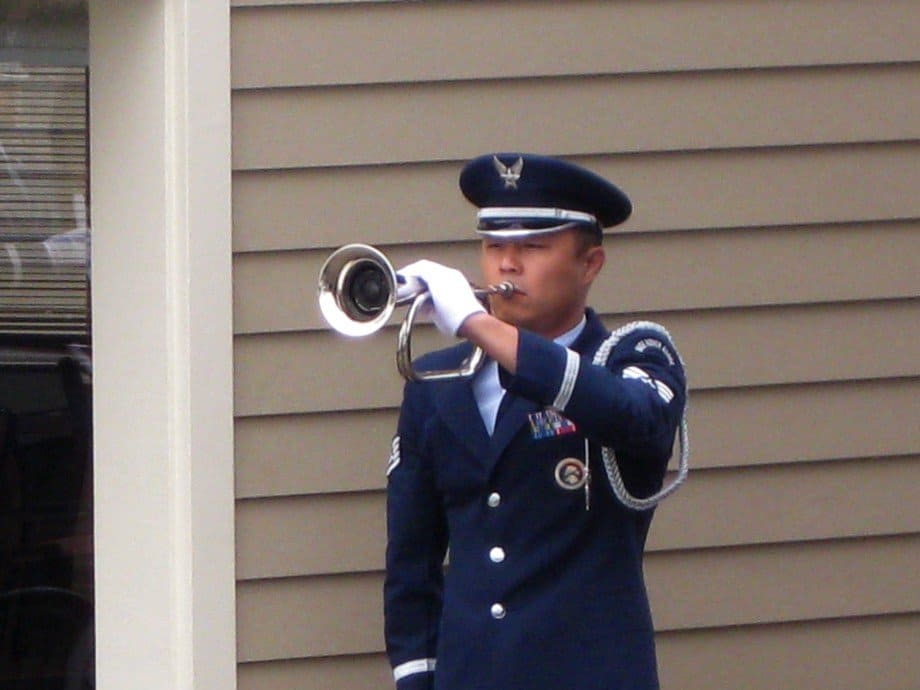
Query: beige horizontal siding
{"points": [[319, 371], [648, 272], [770, 150], [846, 654], [360, 672], [859, 653], [304, 454], [301, 209], [279, 46], [794, 502], [271, 3], [689, 589], [284, 537], [285, 128]]}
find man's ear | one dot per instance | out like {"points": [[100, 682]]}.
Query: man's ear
{"points": [[595, 258]]}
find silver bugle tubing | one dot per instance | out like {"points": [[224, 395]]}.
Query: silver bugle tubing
{"points": [[358, 292]]}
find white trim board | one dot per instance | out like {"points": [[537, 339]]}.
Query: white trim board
{"points": [[162, 337]]}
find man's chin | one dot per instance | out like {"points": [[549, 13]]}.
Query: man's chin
{"points": [[513, 317]]}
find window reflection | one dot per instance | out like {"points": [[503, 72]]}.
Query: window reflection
{"points": [[46, 583]]}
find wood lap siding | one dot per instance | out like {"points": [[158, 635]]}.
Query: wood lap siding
{"points": [[770, 149]]}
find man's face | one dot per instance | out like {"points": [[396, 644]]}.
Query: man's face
{"points": [[554, 272]]}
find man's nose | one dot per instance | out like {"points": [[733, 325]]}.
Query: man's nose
{"points": [[510, 262]]}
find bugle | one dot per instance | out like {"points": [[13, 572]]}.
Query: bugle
{"points": [[358, 291]]}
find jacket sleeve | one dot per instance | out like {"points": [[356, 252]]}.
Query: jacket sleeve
{"points": [[632, 403], [416, 546]]}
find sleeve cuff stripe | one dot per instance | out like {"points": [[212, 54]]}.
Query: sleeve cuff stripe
{"points": [[415, 666], [572, 364]]}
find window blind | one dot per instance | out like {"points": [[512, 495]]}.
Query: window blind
{"points": [[44, 230]]}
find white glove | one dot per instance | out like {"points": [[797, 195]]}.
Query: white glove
{"points": [[452, 298], [407, 286]]}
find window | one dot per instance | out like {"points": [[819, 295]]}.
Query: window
{"points": [[46, 582]]}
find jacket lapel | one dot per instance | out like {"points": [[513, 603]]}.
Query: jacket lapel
{"points": [[507, 428], [456, 405]]}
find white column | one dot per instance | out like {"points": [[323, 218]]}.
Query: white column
{"points": [[162, 336]]}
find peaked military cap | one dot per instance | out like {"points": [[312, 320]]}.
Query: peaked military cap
{"points": [[523, 194]]}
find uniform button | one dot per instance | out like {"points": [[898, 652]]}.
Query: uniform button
{"points": [[496, 554], [494, 499], [498, 611]]}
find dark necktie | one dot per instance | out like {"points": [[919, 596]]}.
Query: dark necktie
{"points": [[503, 406]]}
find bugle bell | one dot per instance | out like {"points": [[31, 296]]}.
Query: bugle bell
{"points": [[358, 291]]}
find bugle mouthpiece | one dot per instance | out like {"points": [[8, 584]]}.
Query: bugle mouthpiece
{"points": [[505, 289]]}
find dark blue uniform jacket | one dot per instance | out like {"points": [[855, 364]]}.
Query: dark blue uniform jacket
{"points": [[540, 591]]}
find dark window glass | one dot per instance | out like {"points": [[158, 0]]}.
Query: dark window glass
{"points": [[46, 555]]}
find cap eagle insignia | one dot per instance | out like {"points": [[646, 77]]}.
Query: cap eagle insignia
{"points": [[510, 174]]}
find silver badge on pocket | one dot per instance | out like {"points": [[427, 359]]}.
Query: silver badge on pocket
{"points": [[571, 474]]}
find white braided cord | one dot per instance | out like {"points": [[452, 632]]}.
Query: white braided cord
{"points": [[608, 455]]}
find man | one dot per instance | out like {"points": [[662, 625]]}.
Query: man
{"points": [[544, 587]]}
